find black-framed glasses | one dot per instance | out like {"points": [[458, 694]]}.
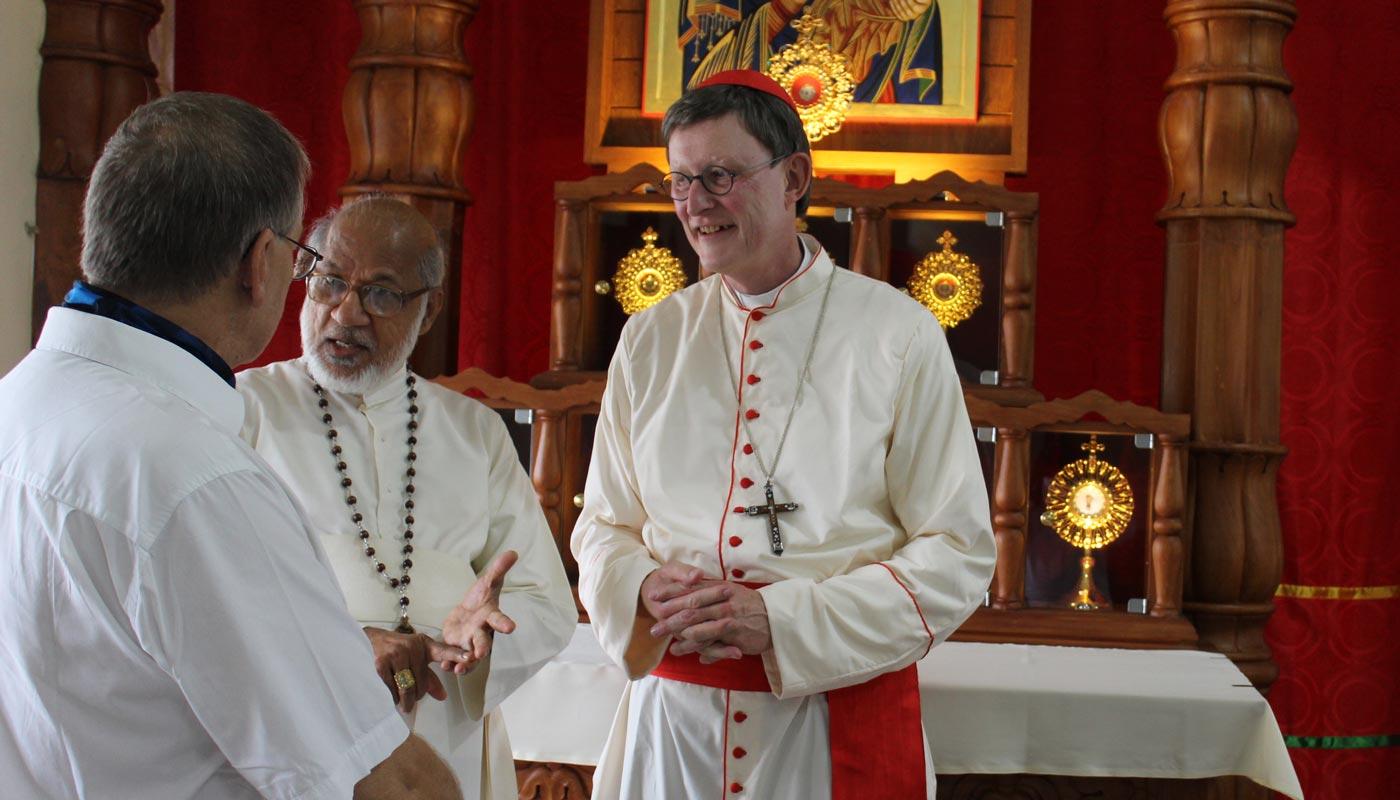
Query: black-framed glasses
{"points": [[717, 180], [376, 300], [306, 260]]}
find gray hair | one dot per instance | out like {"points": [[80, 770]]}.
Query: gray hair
{"points": [[766, 118], [432, 262], [182, 190]]}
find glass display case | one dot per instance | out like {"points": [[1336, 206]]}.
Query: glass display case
{"points": [[1088, 498]]}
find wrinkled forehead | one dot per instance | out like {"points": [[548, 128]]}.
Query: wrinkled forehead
{"points": [[371, 249], [717, 140]]}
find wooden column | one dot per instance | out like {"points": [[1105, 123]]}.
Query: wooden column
{"points": [[1018, 300], [870, 242], [96, 71], [1227, 131], [1167, 563], [1009, 511], [408, 110], [565, 335]]}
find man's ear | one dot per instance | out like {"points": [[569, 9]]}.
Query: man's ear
{"points": [[255, 270], [798, 175], [436, 298]]}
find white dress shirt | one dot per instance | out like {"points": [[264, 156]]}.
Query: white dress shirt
{"points": [[472, 501], [890, 550], [168, 626]]}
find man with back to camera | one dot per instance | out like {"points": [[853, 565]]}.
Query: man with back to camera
{"points": [[170, 628], [415, 491], [785, 509]]}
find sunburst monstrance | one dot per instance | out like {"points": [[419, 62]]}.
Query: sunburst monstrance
{"points": [[645, 276], [947, 283], [1089, 504], [816, 77]]}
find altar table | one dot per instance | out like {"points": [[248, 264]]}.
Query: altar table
{"points": [[993, 709]]}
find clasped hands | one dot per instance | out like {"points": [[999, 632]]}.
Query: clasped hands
{"points": [[467, 637], [715, 618]]}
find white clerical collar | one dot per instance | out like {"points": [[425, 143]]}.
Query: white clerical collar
{"points": [[390, 388], [767, 298]]}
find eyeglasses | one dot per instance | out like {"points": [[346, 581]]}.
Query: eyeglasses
{"points": [[378, 301], [306, 260], [717, 180]]}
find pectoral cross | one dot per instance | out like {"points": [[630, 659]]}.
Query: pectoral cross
{"points": [[772, 509]]}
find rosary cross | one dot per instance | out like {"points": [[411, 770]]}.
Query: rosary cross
{"points": [[772, 509]]}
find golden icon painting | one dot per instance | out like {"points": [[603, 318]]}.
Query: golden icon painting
{"points": [[947, 283], [645, 276], [816, 77], [1089, 504]]}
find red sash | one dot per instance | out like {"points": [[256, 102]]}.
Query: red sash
{"points": [[875, 728]]}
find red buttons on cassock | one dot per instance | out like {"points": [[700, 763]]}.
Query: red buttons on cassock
{"points": [[736, 787], [755, 344], [740, 716], [738, 573], [748, 449], [751, 414], [745, 483], [740, 752], [756, 316], [735, 541], [752, 379]]}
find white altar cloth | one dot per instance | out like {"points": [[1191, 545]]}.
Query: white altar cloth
{"points": [[994, 709]]}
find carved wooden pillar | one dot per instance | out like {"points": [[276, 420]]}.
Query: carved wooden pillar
{"points": [[1228, 129], [541, 781], [408, 111], [96, 70], [1009, 510], [549, 462], [565, 335], [1167, 525], [869, 239], [1018, 301]]}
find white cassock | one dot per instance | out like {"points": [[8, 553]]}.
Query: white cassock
{"points": [[890, 550], [472, 501]]}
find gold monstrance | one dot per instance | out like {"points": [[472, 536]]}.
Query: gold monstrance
{"points": [[645, 276], [947, 283], [816, 77], [1088, 504]]}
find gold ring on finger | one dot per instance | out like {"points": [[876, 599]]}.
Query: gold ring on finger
{"points": [[404, 679]]}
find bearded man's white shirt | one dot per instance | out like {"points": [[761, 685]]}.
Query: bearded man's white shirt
{"points": [[472, 501], [890, 550]]}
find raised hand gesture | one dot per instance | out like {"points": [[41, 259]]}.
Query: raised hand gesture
{"points": [[472, 625]]}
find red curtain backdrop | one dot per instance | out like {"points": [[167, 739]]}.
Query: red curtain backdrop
{"points": [[1096, 85], [1341, 383]]}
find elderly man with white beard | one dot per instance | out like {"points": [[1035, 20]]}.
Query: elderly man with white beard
{"points": [[416, 491]]}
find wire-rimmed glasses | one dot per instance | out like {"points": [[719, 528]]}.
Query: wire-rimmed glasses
{"points": [[717, 180]]}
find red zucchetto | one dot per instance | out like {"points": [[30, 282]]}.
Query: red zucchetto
{"points": [[753, 80]]}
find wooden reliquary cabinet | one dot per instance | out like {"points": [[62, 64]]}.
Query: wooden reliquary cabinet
{"points": [[1089, 459], [967, 251]]}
